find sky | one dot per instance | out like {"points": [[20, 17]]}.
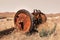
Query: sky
{"points": [[46, 6]]}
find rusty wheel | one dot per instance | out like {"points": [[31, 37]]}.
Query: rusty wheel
{"points": [[23, 20], [44, 18], [40, 16]]}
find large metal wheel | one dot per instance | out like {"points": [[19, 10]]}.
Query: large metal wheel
{"points": [[40, 16], [23, 20], [44, 18]]}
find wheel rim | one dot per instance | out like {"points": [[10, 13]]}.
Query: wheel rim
{"points": [[25, 21], [43, 18]]}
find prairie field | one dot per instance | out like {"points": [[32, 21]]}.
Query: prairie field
{"points": [[52, 21]]}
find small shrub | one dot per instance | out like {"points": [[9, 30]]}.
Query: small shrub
{"points": [[45, 33]]}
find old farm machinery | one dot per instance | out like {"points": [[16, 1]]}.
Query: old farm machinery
{"points": [[27, 22]]}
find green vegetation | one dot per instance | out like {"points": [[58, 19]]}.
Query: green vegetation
{"points": [[45, 33]]}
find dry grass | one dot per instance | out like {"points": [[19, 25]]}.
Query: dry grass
{"points": [[17, 35]]}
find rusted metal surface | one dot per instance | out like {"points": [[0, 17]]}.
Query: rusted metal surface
{"points": [[23, 20], [27, 22], [39, 16]]}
